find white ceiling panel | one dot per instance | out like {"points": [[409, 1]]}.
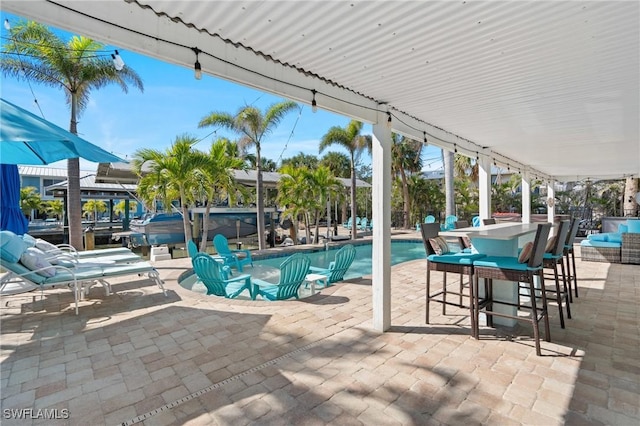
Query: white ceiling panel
{"points": [[552, 85]]}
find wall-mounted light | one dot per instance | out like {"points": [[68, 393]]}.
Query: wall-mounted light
{"points": [[314, 104], [388, 119], [118, 63], [197, 68]]}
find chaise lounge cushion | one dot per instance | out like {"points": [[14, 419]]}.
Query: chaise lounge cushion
{"points": [[11, 246], [592, 243]]}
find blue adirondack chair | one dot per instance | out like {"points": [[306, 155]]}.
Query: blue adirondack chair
{"points": [[347, 224], [364, 222], [192, 249], [449, 223], [337, 268], [429, 219], [230, 256], [293, 271], [215, 277]]}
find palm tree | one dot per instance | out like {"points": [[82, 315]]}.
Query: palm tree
{"points": [[405, 157], [323, 185], [217, 178], [173, 171], [351, 139], [294, 194], [77, 68], [120, 208], [339, 165], [93, 207], [29, 200], [253, 126], [54, 208]]}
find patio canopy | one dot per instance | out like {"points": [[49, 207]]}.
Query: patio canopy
{"points": [[549, 87]]}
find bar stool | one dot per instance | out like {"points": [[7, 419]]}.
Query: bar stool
{"points": [[569, 252], [510, 269], [490, 221], [458, 263], [465, 242], [552, 259]]}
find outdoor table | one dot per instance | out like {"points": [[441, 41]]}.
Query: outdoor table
{"points": [[500, 239]]}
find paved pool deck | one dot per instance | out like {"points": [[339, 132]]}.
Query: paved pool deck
{"points": [[187, 358]]}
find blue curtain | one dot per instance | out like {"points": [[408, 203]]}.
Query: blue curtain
{"points": [[11, 216]]}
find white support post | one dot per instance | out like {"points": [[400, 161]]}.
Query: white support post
{"points": [[526, 197], [381, 215], [551, 195], [484, 187]]}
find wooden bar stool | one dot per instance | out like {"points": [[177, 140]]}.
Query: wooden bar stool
{"points": [[509, 268], [458, 263]]}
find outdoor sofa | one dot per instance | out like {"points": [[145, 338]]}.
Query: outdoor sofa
{"points": [[614, 247]]}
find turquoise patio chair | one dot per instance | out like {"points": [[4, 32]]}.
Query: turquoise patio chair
{"points": [[293, 271], [449, 223], [429, 219], [347, 224], [339, 266], [364, 223], [230, 256], [215, 277], [192, 249], [475, 221]]}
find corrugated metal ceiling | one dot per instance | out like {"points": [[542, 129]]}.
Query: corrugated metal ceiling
{"points": [[551, 84], [540, 82]]}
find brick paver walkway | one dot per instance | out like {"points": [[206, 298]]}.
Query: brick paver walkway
{"points": [[138, 356]]}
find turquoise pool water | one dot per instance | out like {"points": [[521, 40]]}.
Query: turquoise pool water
{"points": [[401, 251], [267, 269]]}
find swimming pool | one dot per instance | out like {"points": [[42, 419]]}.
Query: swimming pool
{"points": [[267, 269], [401, 251]]}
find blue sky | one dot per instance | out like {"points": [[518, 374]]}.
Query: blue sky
{"points": [[172, 104]]}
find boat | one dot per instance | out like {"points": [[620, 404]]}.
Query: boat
{"points": [[168, 228]]}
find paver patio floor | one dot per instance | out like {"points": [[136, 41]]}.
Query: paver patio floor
{"points": [[138, 356]]}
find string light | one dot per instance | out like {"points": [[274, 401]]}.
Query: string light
{"points": [[7, 25], [118, 63], [455, 148], [388, 119], [314, 104], [197, 67], [425, 137], [477, 156]]}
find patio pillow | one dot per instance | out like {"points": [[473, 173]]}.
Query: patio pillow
{"points": [[615, 237], [623, 228], [47, 247], [526, 252], [598, 237], [439, 245], [34, 260], [29, 240], [634, 226], [11, 246], [551, 242]]}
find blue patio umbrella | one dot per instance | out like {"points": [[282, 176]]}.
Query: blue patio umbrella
{"points": [[11, 216], [29, 139]]}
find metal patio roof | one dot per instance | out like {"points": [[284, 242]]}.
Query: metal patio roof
{"points": [[552, 87]]}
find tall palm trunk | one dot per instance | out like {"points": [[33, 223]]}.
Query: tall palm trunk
{"points": [[450, 206], [406, 199], [205, 225], [188, 235], [260, 200], [74, 198], [353, 198], [630, 191]]}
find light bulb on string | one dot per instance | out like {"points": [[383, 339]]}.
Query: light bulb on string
{"points": [[314, 104], [388, 120], [7, 25], [118, 63], [197, 68]]}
